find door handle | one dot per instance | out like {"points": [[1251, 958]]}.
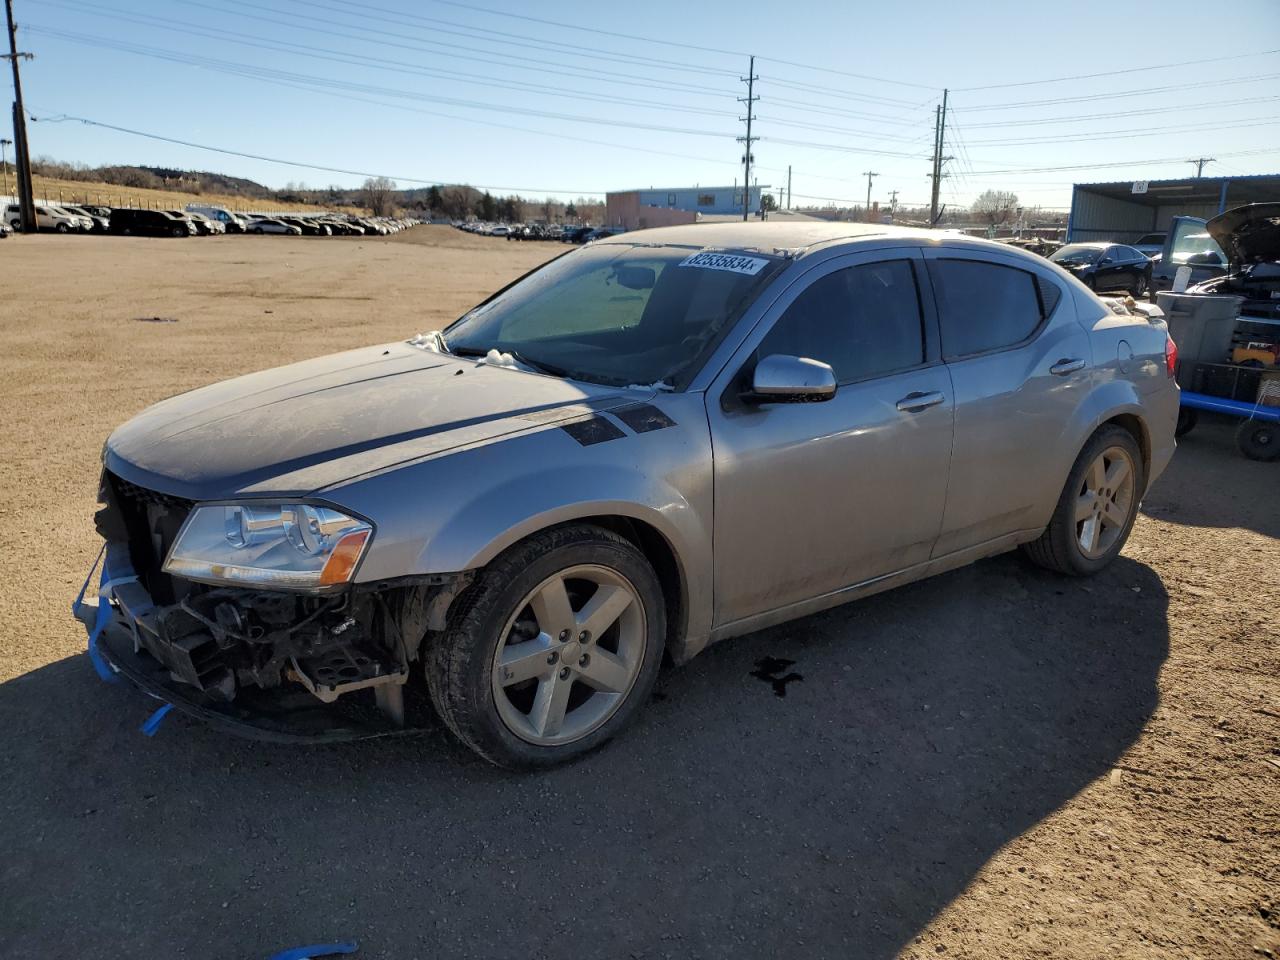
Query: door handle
{"points": [[915, 402], [1064, 368]]}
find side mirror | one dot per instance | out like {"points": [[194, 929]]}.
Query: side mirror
{"points": [[1106, 260], [782, 379]]}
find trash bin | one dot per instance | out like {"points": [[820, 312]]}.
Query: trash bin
{"points": [[1201, 324]]}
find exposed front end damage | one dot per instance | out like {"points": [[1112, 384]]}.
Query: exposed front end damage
{"points": [[257, 659]]}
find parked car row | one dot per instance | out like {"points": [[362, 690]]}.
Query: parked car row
{"points": [[539, 231], [197, 220], [60, 219]]}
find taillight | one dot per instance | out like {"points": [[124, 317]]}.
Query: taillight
{"points": [[1170, 356]]}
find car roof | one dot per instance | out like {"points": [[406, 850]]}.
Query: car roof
{"points": [[765, 235]]}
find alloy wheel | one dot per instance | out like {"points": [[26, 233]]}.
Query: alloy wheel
{"points": [[1105, 502], [569, 655]]}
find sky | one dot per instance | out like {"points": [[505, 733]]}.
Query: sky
{"points": [[565, 97]]}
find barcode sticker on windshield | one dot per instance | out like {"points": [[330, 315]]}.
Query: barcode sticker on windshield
{"points": [[725, 261]]}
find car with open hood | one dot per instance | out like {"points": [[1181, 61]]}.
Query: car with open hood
{"points": [[653, 443], [1249, 236]]}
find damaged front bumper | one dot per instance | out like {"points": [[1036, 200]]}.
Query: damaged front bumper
{"points": [[268, 666]]}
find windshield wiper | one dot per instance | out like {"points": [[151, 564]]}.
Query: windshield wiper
{"points": [[547, 368], [535, 365]]}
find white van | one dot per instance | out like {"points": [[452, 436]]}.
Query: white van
{"points": [[233, 222]]}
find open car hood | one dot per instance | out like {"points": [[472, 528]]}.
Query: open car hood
{"points": [[1248, 234]]}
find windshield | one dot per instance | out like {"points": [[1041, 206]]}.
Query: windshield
{"points": [[1076, 253], [618, 314]]}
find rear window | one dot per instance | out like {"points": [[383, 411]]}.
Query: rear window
{"points": [[985, 306]]}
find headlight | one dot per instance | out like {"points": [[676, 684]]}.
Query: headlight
{"points": [[286, 545]]}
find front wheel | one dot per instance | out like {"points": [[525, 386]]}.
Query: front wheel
{"points": [[553, 650], [62, 228], [1258, 440], [1097, 507], [1139, 288]]}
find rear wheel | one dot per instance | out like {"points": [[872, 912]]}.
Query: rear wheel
{"points": [[1258, 440], [1097, 507], [553, 650]]}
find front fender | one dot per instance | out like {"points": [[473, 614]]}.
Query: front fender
{"points": [[458, 512], [499, 516]]}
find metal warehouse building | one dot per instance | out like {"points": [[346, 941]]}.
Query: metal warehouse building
{"points": [[1127, 210], [637, 209]]}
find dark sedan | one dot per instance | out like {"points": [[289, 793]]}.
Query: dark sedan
{"points": [[1106, 266]]}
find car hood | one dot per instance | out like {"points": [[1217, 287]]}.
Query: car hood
{"points": [[297, 429], [1248, 234]]}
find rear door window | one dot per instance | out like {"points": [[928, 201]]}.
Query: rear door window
{"points": [[984, 306]]}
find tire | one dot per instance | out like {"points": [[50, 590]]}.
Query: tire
{"points": [[1091, 283], [62, 228], [1188, 417], [1258, 440], [176, 232], [511, 604], [1139, 288], [1061, 547]]}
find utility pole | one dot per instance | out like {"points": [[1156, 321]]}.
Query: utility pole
{"points": [[869, 174], [22, 156], [788, 186], [1200, 162], [750, 100], [4, 164], [893, 202], [939, 142]]}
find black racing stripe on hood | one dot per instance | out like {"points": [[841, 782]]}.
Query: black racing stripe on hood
{"points": [[643, 417], [592, 430]]}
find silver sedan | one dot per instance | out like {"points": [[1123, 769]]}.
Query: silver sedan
{"points": [[660, 441]]}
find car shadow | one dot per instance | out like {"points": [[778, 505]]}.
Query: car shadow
{"points": [[924, 730], [1209, 483]]}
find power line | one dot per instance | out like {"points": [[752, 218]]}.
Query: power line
{"points": [[1127, 134], [1121, 163], [574, 26], [1113, 72], [846, 73], [517, 40], [1194, 85], [381, 62], [63, 118], [255, 72], [502, 59], [1146, 111]]}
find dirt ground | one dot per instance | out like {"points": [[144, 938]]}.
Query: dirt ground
{"points": [[994, 763]]}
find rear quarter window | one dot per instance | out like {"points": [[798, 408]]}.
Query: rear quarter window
{"points": [[985, 306]]}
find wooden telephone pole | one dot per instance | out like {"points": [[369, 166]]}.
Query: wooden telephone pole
{"points": [[750, 99], [22, 155]]}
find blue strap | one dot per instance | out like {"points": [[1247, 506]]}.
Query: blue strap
{"points": [[315, 950], [153, 722], [101, 618]]}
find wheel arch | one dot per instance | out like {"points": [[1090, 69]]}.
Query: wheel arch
{"points": [[633, 523], [1138, 429]]}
